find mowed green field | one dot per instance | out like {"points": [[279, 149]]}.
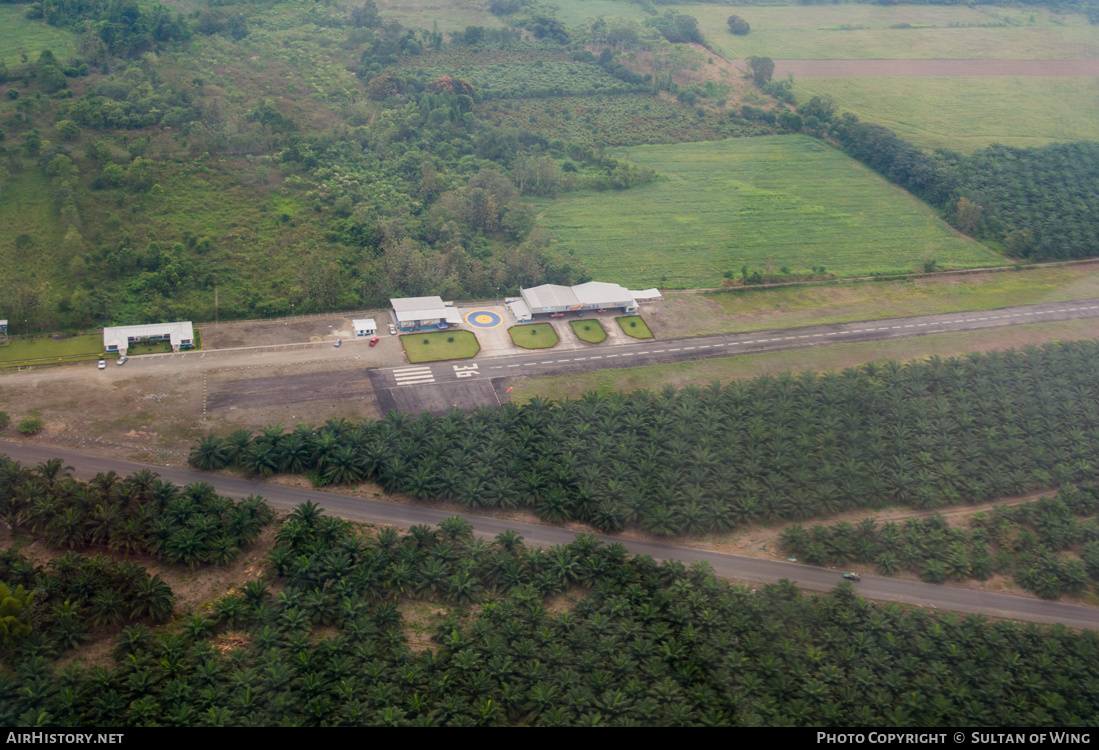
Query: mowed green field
{"points": [[22, 35], [798, 32], [968, 113], [444, 15], [738, 202]]}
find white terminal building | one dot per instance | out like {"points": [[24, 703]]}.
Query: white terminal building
{"points": [[179, 335]]}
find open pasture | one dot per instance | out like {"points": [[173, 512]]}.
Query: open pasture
{"points": [[869, 32], [782, 201], [966, 114], [23, 35], [444, 15]]}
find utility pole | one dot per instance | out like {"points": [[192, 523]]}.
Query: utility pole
{"points": [[215, 302]]}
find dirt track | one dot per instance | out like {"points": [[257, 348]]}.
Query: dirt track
{"points": [[933, 68]]}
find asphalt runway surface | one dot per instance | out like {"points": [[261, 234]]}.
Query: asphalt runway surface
{"points": [[750, 569], [467, 384]]}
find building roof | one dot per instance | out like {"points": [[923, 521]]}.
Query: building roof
{"points": [[601, 293], [646, 294], [408, 309], [550, 295], [119, 336], [519, 309], [367, 324], [410, 304]]}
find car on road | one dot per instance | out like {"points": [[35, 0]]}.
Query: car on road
{"points": [[122, 360], [852, 576], [102, 364], [338, 342], [392, 330], [374, 341]]}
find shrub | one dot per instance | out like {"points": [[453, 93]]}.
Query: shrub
{"points": [[427, 341], [450, 339], [4, 419], [30, 425]]}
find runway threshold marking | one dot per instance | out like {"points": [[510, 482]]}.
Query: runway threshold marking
{"points": [[413, 375]]}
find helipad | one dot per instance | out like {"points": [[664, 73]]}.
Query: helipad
{"points": [[483, 319]]}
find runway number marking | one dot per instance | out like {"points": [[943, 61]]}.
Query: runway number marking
{"points": [[465, 371]]}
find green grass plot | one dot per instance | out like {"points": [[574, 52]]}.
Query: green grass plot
{"points": [[534, 336], [588, 330], [23, 350], [788, 201], [968, 113], [634, 326], [432, 347]]}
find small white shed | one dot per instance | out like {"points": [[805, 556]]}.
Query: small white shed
{"points": [[364, 327]]}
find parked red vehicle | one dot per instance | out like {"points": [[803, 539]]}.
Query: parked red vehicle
{"points": [[374, 341]]}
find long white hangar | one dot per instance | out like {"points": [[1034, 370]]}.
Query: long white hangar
{"points": [[594, 295]]}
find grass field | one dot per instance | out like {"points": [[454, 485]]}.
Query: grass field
{"points": [[965, 114], [863, 32], [21, 349], [679, 314], [740, 202], [22, 35], [432, 347], [836, 357], [634, 327], [534, 336], [445, 15], [588, 330]]}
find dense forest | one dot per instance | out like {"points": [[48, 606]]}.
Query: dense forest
{"points": [[924, 434], [636, 644], [1051, 546]]}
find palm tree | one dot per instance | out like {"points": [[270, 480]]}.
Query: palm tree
{"points": [[53, 470], [210, 454]]}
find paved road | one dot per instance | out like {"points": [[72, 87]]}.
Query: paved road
{"points": [[726, 566], [468, 384]]}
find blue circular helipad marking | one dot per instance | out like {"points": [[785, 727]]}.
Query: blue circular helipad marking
{"points": [[483, 319]]}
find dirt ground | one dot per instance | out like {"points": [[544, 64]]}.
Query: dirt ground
{"points": [[312, 328]]}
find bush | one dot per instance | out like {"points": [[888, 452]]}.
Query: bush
{"points": [[30, 425], [4, 419], [738, 25]]}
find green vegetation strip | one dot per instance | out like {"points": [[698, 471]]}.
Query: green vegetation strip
{"points": [[634, 326], [750, 309], [787, 201], [535, 336], [440, 345], [77, 347], [588, 330]]}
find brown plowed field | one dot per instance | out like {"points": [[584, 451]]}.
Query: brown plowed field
{"points": [[933, 68]]}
